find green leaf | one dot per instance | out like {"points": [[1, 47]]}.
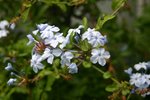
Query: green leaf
{"points": [[112, 88], [50, 82], [117, 4], [72, 37], [85, 22], [102, 20], [45, 72], [106, 75], [86, 64], [27, 4], [25, 14], [62, 7], [84, 45], [125, 91]]}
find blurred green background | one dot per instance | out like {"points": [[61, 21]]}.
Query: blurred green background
{"points": [[128, 42]]}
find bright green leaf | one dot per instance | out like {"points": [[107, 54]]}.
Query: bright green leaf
{"points": [[25, 14], [125, 91], [112, 88], [85, 23], [106, 75], [62, 7], [117, 4], [102, 20], [86, 64], [84, 45], [50, 82]]}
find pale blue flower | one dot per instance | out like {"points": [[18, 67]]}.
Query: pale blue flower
{"points": [[35, 32], [3, 28], [35, 63], [73, 68], [87, 35], [12, 26], [77, 30], [66, 57], [31, 39], [139, 80], [9, 67], [49, 31], [4, 24], [66, 41], [42, 27], [3, 33], [95, 38], [49, 55], [140, 66], [11, 81], [128, 71], [54, 40], [100, 56]]}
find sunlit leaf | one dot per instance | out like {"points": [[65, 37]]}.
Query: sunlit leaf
{"points": [[102, 20], [106, 75], [117, 4], [112, 87]]}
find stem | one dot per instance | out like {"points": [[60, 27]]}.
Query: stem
{"points": [[102, 72], [55, 2], [129, 96], [118, 9]]}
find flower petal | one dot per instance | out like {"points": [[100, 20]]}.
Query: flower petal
{"points": [[101, 61], [50, 59], [56, 52]]}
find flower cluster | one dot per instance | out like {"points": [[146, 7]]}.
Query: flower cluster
{"points": [[140, 79], [50, 43], [11, 81], [4, 25]]}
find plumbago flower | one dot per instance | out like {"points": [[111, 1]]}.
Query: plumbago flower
{"points": [[14, 73], [140, 79], [95, 38], [11, 81], [4, 26], [51, 43], [100, 56], [49, 55], [35, 63], [77, 32]]}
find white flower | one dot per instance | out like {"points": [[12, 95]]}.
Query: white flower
{"points": [[11, 81], [66, 41], [66, 57], [100, 56], [139, 80], [67, 38], [9, 67], [94, 37], [31, 39], [73, 68], [35, 32], [12, 26], [128, 71], [97, 40], [134, 78], [54, 40], [49, 31], [4, 24], [35, 63], [3, 28], [3, 33], [49, 55], [140, 66], [77, 30], [42, 27]]}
